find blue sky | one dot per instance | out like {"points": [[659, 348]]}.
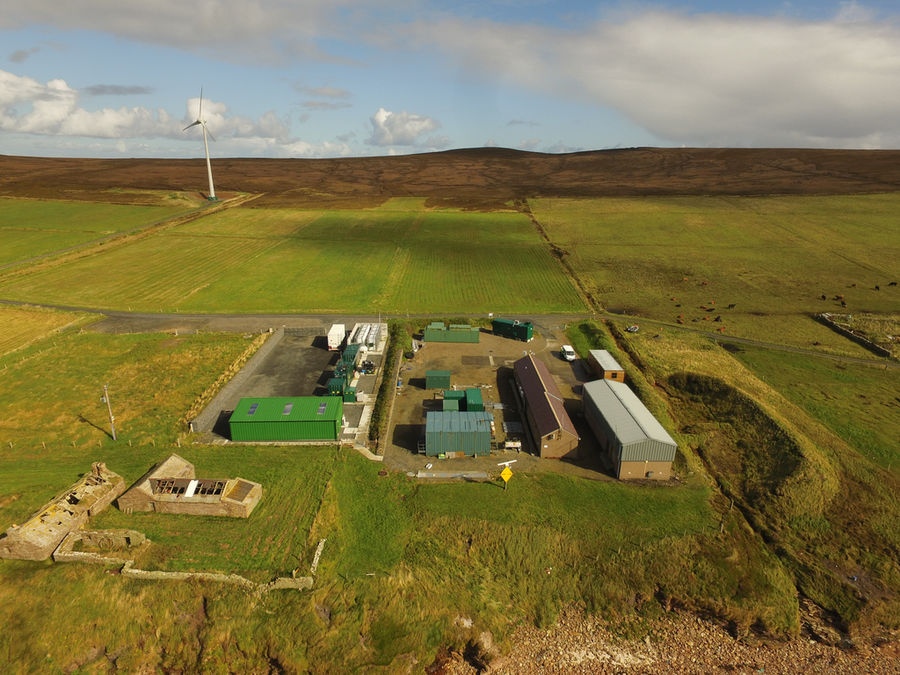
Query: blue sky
{"points": [[325, 78]]}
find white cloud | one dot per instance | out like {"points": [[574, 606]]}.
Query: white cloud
{"points": [[52, 109], [403, 128], [259, 31], [704, 79]]}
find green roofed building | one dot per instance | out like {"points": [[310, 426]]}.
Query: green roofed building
{"points": [[299, 418]]}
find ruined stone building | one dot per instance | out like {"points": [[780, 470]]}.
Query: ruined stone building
{"points": [[38, 537], [172, 487]]}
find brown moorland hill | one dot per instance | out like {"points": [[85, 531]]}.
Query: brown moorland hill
{"points": [[474, 178]]}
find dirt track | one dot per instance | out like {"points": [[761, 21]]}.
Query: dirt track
{"points": [[475, 178]]}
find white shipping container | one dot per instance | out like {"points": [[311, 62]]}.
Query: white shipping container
{"points": [[336, 336]]}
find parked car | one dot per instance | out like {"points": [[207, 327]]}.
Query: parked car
{"points": [[568, 353]]}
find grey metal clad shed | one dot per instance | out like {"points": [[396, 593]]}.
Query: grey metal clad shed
{"points": [[624, 425]]}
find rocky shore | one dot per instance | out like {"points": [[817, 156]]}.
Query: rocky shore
{"points": [[677, 643]]}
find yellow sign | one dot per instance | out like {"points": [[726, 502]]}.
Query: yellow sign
{"points": [[506, 474]]}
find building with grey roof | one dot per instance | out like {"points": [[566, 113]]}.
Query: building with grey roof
{"points": [[605, 365], [550, 425], [635, 441]]}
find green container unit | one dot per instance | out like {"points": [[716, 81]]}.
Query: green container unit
{"points": [[454, 394], [335, 386], [458, 332], [300, 418], [350, 356], [474, 401], [451, 404], [516, 330], [455, 431], [437, 379], [349, 395]]}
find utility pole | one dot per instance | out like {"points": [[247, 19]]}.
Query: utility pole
{"points": [[112, 420]]}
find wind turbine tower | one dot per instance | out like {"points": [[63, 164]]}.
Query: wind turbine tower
{"points": [[202, 122]]}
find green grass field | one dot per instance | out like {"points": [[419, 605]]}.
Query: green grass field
{"points": [[398, 556], [787, 464], [30, 228], [20, 326], [257, 260], [772, 257], [807, 449], [859, 403]]}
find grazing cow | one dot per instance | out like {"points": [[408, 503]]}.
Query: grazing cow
{"points": [[824, 298], [731, 306], [893, 283], [877, 287], [718, 318], [843, 303]]}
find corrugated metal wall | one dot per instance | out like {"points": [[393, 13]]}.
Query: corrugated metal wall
{"points": [[453, 431], [320, 430]]}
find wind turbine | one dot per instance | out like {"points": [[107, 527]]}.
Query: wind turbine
{"points": [[202, 122]]}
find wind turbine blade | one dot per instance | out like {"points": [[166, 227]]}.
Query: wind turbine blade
{"points": [[200, 109], [208, 132], [191, 125]]}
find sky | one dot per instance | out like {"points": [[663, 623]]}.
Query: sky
{"points": [[330, 78]]}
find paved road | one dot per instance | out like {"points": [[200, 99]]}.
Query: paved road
{"points": [[115, 321]]}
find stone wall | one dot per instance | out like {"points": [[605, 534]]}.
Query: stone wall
{"points": [[105, 540], [826, 320]]}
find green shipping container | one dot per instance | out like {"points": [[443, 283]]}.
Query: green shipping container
{"points": [[350, 395], [437, 379], [301, 418], [474, 401], [350, 356], [516, 330], [335, 386], [457, 333], [451, 404], [456, 395]]}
